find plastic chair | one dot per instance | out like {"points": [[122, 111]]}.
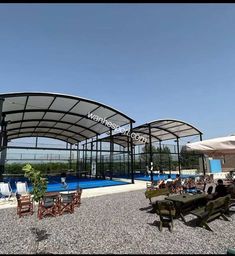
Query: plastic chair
{"points": [[22, 188], [5, 190]]}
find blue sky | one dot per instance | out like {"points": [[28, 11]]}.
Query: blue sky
{"points": [[150, 61]]}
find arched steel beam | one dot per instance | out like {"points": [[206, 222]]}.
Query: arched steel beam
{"points": [[175, 120], [51, 120], [46, 127], [53, 136], [55, 111]]}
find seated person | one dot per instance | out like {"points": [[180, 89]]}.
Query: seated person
{"points": [[152, 185], [177, 184], [200, 180], [220, 189], [207, 179], [191, 183], [177, 180], [210, 196], [169, 180], [184, 184], [161, 184], [211, 178], [231, 189]]}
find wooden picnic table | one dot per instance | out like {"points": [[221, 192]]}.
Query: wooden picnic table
{"points": [[55, 193], [185, 202]]}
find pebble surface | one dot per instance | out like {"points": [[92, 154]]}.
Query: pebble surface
{"points": [[113, 224]]}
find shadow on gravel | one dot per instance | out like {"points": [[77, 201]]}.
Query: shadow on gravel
{"points": [[40, 235], [157, 224], [231, 212], [146, 208], [192, 223]]}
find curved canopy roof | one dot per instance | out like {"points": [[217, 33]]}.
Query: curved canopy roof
{"points": [[161, 130], [58, 116], [168, 129]]}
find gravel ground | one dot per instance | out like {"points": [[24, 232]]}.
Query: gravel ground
{"points": [[113, 224]]}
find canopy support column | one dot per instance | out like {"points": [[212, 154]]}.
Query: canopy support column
{"points": [[203, 159], [120, 160], [1, 139], [160, 157], [3, 146], [111, 155], [178, 154], [91, 157], [78, 158], [70, 157], [86, 158], [128, 157], [96, 156], [83, 157], [132, 159], [150, 152], [101, 171]]}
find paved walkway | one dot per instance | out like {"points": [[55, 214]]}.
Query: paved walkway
{"points": [[91, 192], [139, 184]]}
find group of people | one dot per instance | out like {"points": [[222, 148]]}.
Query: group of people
{"points": [[221, 190], [175, 185], [180, 185]]}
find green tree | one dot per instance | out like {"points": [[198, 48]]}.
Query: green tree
{"points": [[39, 189], [145, 156], [38, 181], [160, 157], [189, 159]]}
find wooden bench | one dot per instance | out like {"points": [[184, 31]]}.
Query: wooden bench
{"points": [[149, 194], [213, 209]]}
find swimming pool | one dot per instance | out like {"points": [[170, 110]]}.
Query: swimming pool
{"points": [[157, 177], [54, 184]]}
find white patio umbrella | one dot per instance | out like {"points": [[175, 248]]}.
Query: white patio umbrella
{"points": [[214, 147]]}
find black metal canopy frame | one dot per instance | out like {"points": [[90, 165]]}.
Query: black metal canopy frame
{"points": [[65, 117], [157, 130], [53, 115]]}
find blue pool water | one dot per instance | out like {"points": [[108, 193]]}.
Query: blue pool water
{"points": [[54, 183], [73, 182], [161, 177], [83, 183]]}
